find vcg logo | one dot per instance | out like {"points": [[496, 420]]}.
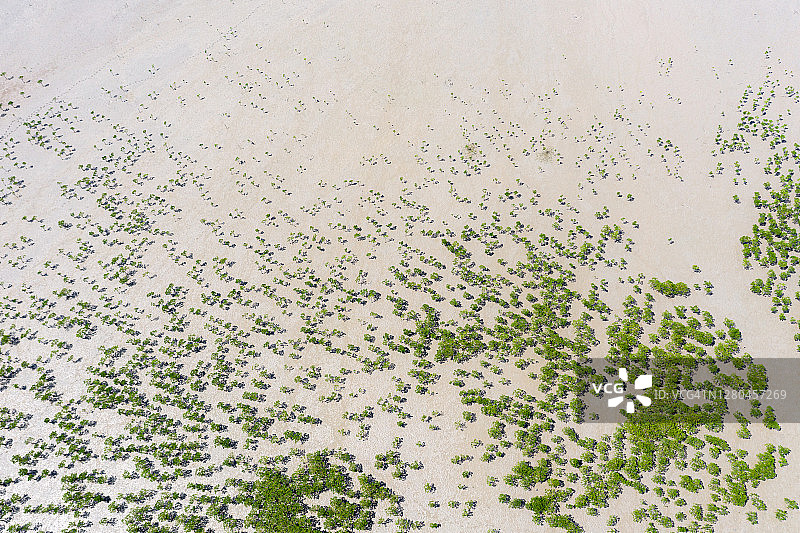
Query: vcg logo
{"points": [[645, 381]]}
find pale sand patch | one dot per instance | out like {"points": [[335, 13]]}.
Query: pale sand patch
{"points": [[339, 85]]}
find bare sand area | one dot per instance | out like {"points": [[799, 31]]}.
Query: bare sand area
{"points": [[333, 266]]}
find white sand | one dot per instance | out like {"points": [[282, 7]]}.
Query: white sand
{"points": [[255, 98]]}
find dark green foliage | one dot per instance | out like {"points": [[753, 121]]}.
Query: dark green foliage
{"points": [[280, 502], [277, 505], [527, 475], [669, 288]]}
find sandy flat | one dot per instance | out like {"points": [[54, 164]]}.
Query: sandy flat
{"points": [[224, 210]]}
